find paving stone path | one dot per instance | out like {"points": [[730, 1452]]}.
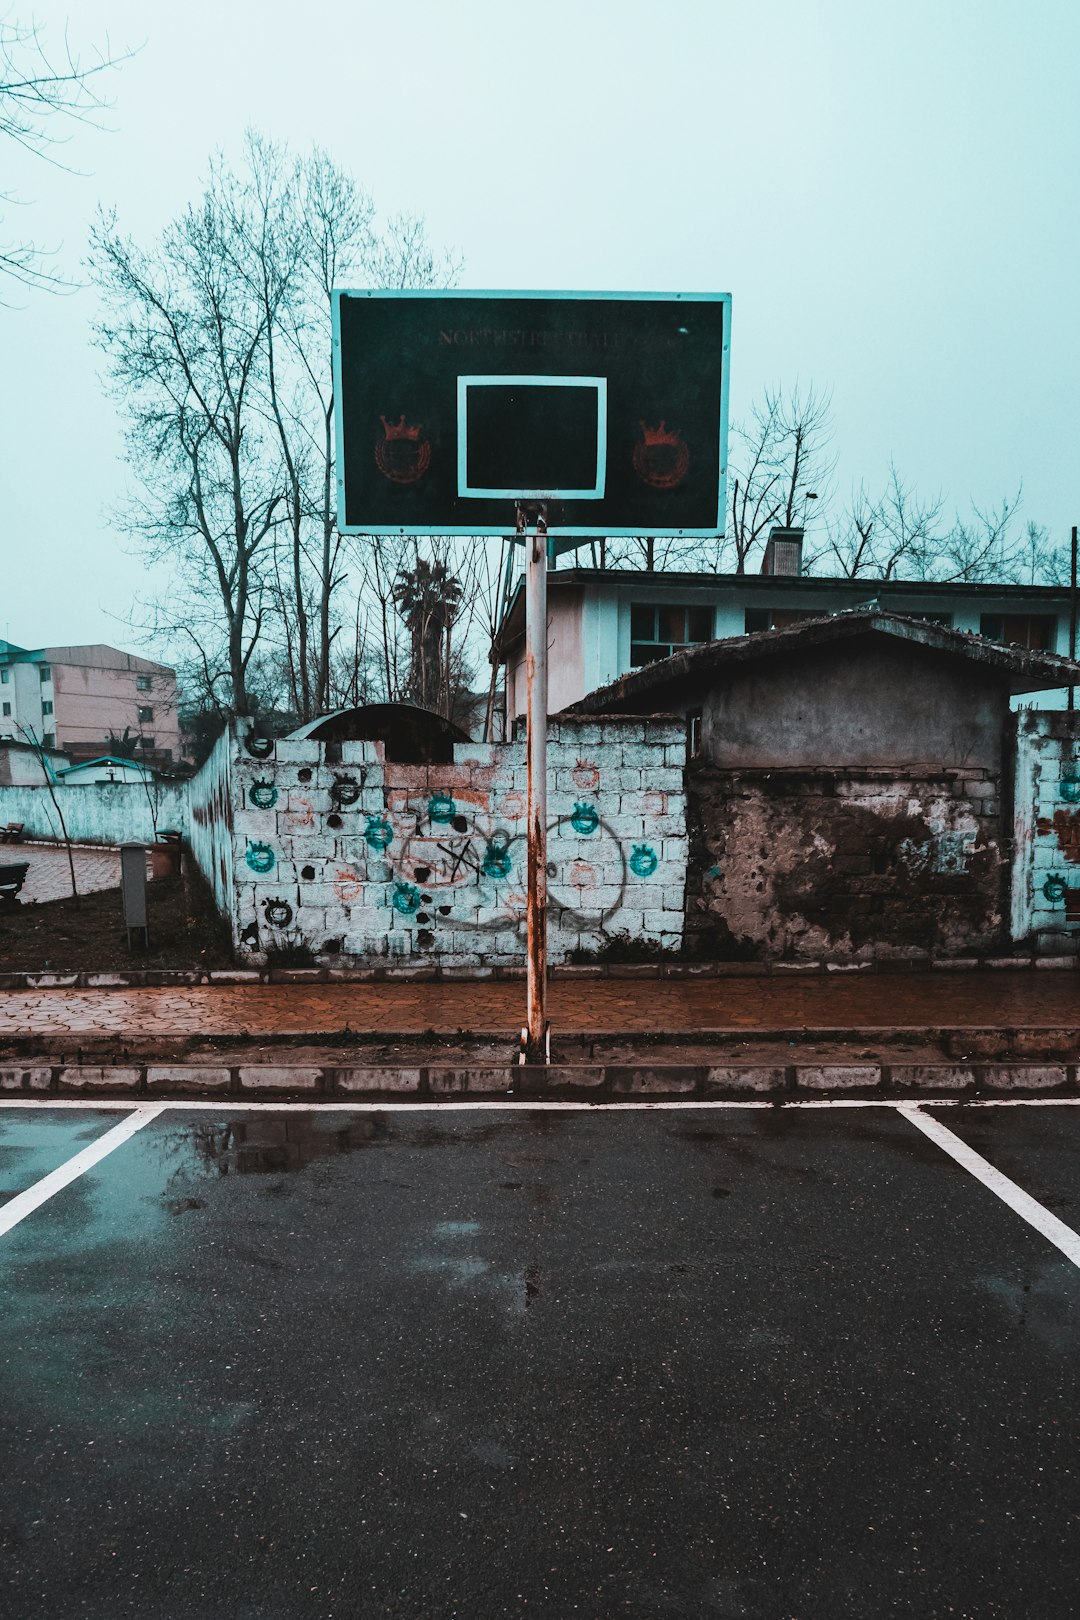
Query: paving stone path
{"points": [[49, 877]]}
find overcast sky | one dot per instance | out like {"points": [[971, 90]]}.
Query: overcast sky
{"points": [[888, 191]]}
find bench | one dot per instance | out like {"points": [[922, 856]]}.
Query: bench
{"points": [[12, 879], [12, 833]]}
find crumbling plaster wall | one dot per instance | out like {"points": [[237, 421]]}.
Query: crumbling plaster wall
{"points": [[849, 808], [842, 865], [359, 858], [1046, 831], [891, 705]]}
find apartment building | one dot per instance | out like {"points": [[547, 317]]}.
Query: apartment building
{"points": [[85, 700]]}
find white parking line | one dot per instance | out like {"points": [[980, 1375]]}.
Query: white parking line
{"points": [[24, 1203], [1021, 1203]]}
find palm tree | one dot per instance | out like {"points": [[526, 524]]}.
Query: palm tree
{"points": [[428, 597]]}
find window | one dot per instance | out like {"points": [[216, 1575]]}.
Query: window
{"points": [[5, 675], [656, 631], [145, 712], [143, 683], [147, 744], [7, 708], [46, 707], [49, 739], [1035, 630], [45, 673]]}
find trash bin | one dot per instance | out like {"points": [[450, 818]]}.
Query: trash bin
{"points": [[165, 854]]}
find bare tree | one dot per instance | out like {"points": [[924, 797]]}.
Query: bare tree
{"points": [[984, 546], [781, 459], [894, 535], [28, 734], [39, 91], [1041, 560], [305, 227], [185, 341]]}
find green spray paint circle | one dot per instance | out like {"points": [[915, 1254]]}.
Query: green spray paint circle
{"points": [[497, 862], [441, 808], [378, 833], [585, 819], [1054, 889], [263, 795], [406, 899], [260, 857], [643, 861]]}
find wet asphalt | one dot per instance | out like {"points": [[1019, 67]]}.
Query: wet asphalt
{"points": [[788, 1364]]}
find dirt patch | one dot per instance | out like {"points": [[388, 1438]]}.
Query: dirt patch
{"points": [[58, 936]]}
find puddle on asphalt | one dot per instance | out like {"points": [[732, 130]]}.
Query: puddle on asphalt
{"points": [[278, 1146]]}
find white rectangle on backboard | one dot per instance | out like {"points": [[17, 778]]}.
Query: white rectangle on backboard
{"points": [[593, 493]]}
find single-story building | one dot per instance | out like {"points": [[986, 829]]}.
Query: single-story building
{"points": [[852, 787], [107, 768]]}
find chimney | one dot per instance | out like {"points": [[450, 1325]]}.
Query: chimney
{"points": [[783, 552]]}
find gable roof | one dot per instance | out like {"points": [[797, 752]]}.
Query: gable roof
{"points": [[1020, 669], [108, 759]]}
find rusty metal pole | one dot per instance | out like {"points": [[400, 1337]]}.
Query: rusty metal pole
{"points": [[536, 718]]}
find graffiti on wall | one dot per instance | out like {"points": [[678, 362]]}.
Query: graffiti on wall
{"points": [[1064, 827], [467, 870], [390, 859]]}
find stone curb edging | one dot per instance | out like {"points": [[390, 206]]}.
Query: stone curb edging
{"points": [[600, 1082], [163, 978]]}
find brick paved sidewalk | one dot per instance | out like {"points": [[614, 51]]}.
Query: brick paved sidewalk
{"points": [[49, 877], [990, 999]]}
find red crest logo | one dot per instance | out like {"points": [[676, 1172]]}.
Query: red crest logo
{"points": [[661, 459], [401, 454]]}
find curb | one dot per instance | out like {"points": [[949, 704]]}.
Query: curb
{"points": [[384, 974], [595, 1081], [963, 1044]]}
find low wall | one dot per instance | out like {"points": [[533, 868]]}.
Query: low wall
{"points": [[844, 865], [210, 824], [1046, 831], [100, 813], [357, 857]]}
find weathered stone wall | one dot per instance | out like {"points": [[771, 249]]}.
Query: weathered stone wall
{"points": [[843, 865], [210, 823], [1046, 832], [97, 813], [355, 857]]}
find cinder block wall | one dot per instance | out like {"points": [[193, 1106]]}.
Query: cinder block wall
{"points": [[1046, 831], [361, 859]]}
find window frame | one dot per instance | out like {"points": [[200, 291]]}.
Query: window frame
{"points": [[665, 647]]}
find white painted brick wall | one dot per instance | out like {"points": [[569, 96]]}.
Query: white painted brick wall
{"points": [[629, 770]]}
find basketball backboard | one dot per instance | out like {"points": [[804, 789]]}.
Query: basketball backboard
{"points": [[453, 407]]}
